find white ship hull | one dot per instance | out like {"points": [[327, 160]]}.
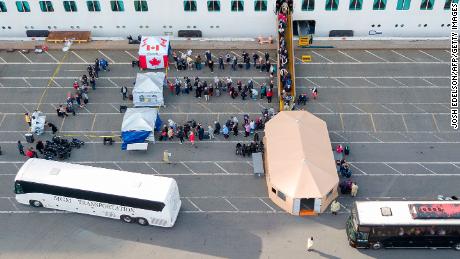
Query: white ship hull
{"points": [[167, 17]]}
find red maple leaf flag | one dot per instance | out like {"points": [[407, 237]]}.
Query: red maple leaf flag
{"points": [[155, 62]]}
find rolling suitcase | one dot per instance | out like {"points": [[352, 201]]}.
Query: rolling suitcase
{"points": [[29, 137]]}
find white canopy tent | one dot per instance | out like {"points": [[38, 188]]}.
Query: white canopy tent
{"points": [[139, 125], [148, 90]]}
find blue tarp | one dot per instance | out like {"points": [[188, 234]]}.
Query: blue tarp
{"points": [[130, 137]]}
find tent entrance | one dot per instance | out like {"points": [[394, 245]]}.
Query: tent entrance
{"points": [[307, 205]]}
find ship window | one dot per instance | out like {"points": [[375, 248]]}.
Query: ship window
{"points": [[23, 6], [308, 5], [380, 4], [93, 6], [237, 6], [260, 5], [2, 8], [427, 5], [403, 5], [356, 5], [213, 6], [332, 5], [70, 6], [141, 6], [449, 3], [46, 6], [190, 6], [282, 196], [117, 6]]}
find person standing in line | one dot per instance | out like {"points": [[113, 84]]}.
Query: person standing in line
{"points": [[40, 146], [180, 135], [192, 137], [269, 95], [354, 189], [28, 119], [267, 56], [221, 63], [21, 148], [255, 57], [92, 81], [211, 65], [335, 207], [124, 92], [210, 132], [310, 244], [53, 127], [235, 63]]}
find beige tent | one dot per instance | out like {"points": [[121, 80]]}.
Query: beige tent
{"points": [[299, 162]]}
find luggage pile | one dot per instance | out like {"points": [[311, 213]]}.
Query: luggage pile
{"points": [[60, 148]]}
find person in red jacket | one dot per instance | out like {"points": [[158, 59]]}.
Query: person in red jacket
{"points": [[192, 137], [269, 95]]}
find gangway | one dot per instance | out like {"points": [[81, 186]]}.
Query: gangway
{"points": [[288, 37]]}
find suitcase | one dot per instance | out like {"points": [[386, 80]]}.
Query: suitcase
{"points": [[29, 137]]}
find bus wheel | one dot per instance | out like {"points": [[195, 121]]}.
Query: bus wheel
{"points": [[457, 246], [142, 222], [35, 203], [126, 219], [376, 246]]}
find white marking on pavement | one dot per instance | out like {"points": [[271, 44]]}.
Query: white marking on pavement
{"points": [[111, 60], [13, 203], [115, 84], [386, 61], [309, 81], [30, 61], [435, 123], [233, 206], [399, 82], [342, 83], [24, 79], [193, 204], [325, 107], [186, 166], [3, 119], [429, 170], [118, 166], [359, 169], [56, 83], [271, 208], [433, 57], [153, 169], [236, 54], [131, 55], [404, 122], [223, 169], [369, 81], [343, 52], [418, 108], [78, 56], [51, 56], [403, 56], [115, 107], [387, 108], [4, 61], [341, 122], [393, 168], [428, 82], [94, 122], [323, 57]]}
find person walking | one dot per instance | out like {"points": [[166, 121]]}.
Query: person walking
{"points": [[310, 244], [192, 137], [255, 57], [335, 207], [40, 146], [180, 135], [314, 92], [354, 189], [269, 95], [53, 127], [206, 94], [28, 119], [234, 63], [92, 81], [124, 92], [267, 56], [21, 148]]}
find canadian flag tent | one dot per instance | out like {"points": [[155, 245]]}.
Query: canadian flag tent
{"points": [[153, 52]]}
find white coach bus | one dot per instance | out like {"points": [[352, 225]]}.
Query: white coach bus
{"points": [[131, 197]]}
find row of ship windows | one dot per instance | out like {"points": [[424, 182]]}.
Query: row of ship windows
{"points": [[188, 27], [356, 5], [214, 6], [139, 6]]}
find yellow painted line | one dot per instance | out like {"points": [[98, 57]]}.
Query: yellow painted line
{"points": [[51, 80]]}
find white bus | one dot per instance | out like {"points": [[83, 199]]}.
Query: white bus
{"points": [[131, 197], [414, 224]]}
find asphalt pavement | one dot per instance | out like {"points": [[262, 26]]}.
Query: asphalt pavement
{"points": [[390, 106]]}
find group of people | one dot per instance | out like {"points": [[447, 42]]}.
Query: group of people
{"points": [[187, 61], [219, 86], [192, 129]]}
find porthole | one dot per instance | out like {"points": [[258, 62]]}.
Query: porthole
{"points": [[27, 27], [141, 26], [55, 27], [32, 27], [71, 27], [164, 26], [211, 26], [118, 27], [442, 25], [146, 26], [100, 27], [123, 26], [396, 25], [378, 25], [425, 25], [9, 27], [448, 25], [217, 26], [419, 25], [194, 27], [170, 27], [402, 25], [78, 27], [95, 27], [49, 27], [188, 27], [3, 27], [373, 25]]}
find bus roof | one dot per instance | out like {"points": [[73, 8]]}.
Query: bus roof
{"points": [[370, 213], [82, 177]]}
